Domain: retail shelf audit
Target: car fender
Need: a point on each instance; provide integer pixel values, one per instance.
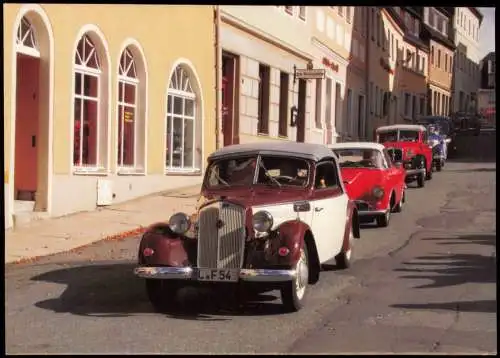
(352, 218)
(166, 247)
(292, 234)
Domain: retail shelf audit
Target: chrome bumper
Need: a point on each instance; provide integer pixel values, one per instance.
(367, 211)
(190, 273)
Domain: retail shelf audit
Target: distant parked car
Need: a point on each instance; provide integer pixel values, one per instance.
(407, 143)
(271, 215)
(372, 180)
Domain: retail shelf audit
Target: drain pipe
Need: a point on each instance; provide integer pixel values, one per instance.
(369, 93)
(218, 79)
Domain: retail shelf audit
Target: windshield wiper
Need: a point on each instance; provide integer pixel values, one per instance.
(269, 175)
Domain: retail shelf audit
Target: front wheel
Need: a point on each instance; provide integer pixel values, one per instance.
(293, 293)
(344, 259)
(421, 180)
(399, 206)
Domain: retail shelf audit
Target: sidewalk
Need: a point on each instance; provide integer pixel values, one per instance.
(51, 236)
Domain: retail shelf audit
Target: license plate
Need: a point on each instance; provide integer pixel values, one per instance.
(218, 275)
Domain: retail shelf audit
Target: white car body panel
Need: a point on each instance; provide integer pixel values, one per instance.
(284, 212)
(328, 225)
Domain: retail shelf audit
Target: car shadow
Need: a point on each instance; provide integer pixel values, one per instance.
(111, 290)
(453, 269)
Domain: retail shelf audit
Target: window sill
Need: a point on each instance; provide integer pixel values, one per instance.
(182, 172)
(90, 171)
(131, 171)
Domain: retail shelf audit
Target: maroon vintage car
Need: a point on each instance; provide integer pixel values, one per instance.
(408, 145)
(271, 215)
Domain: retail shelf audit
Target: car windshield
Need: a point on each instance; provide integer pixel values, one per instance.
(359, 158)
(277, 171)
(404, 136)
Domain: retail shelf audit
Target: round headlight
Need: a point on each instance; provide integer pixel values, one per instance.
(179, 223)
(378, 192)
(262, 221)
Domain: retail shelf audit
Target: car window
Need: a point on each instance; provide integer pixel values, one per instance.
(284, 170)
(389, 136)
(388, 158)
(360, 158)
(408, 135)
(326, 176)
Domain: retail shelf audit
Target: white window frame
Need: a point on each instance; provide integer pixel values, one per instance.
(123, 78)
(183, 94)
(85, 70)
(30, 48)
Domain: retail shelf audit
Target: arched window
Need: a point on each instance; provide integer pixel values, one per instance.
(127, 111)
(26, 40)
(87, 131)
(182, 153)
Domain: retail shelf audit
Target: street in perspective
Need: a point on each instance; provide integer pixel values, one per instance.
(426, 283)
(273, 180)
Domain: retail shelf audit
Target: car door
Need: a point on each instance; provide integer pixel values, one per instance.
(329, 204)
(394, 175)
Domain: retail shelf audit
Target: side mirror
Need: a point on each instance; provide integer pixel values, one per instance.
(301, 206)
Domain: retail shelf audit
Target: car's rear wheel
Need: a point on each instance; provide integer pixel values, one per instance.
(344, 259)
(161, 293)
(383, 220)
(428, 173)
(421, 180)
(293, 293)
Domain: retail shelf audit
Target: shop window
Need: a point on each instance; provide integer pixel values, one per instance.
(89, 120)
(131, 129)
(264, 92)
(183, 130)
(283, 108)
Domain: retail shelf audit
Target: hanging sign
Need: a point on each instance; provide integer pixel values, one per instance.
(308, 73)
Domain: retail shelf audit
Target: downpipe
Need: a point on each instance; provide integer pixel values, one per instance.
(218, 76)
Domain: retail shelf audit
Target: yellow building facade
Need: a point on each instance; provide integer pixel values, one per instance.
(104, 103)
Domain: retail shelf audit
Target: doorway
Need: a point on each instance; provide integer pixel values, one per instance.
(230, 122)
(301, 115)
(26, 129)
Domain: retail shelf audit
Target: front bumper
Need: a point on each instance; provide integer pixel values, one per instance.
(365, 209)
(191, 274)
(413, 172)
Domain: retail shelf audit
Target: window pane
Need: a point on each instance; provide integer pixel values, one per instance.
(90, 84)
(78, 83)
(177, 143)
(89, 133)
(120, 138)
(168, 163)
(188, 143)
(189, 107)
(129, 93)
(178, 105)
(169, 104)
(76, 128)
(128, 136)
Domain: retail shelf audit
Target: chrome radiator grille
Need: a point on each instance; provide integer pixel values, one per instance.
(221, 236)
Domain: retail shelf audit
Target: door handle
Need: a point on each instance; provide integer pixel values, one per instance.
(318, 209)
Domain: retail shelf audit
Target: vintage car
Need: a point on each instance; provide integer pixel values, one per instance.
(407, 143)
(271, 215)
(372, 180)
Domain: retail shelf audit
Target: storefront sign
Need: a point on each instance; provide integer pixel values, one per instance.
(308, 73)
(128, 117)
(386, 66)
(331, 65)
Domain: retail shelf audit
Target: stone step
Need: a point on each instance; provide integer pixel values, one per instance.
(24, 218)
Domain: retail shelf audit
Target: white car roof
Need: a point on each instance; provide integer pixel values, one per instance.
(357, 145)
(283, 148)
(411, 127)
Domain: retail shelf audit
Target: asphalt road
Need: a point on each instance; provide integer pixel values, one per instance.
(427, 283)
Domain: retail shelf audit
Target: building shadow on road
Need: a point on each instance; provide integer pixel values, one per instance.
(473, 170)
(452, 269)
(111, 290)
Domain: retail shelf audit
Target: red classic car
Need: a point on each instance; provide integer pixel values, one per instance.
(372, 180)
(271, 214)
(407, 143)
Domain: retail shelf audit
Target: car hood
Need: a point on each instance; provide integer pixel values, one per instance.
(359, 182)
